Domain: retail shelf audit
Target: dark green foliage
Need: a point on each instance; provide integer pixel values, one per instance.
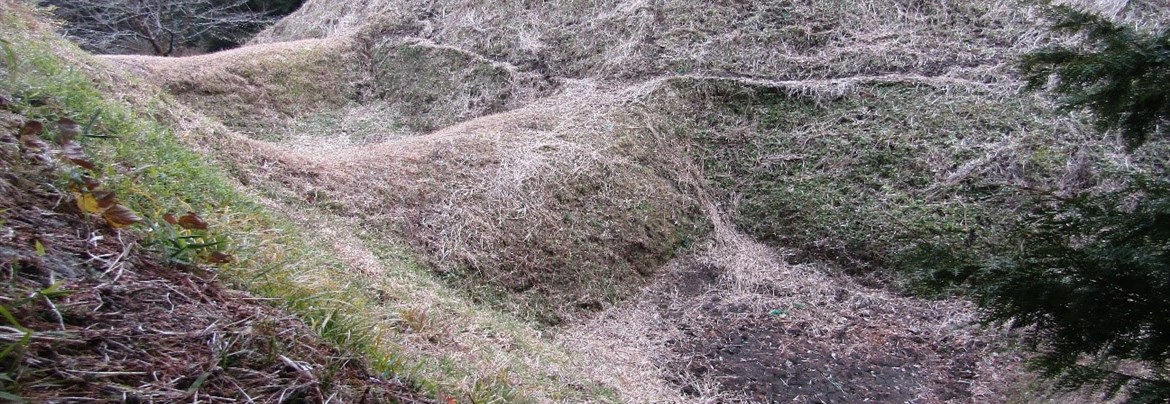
(1090, 277)
(1119, 73)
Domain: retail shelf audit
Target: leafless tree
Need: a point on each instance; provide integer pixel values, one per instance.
(160, 27)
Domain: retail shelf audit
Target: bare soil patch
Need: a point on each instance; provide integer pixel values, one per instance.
(772, 359)
(734, 322)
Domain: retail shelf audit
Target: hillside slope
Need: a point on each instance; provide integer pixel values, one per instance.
(632, 39)
(651, 201)
(110, 291)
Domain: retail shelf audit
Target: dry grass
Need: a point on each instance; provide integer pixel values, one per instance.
(630, 39)
(272, 260)
(508, 203)
(433, 86)
(256, 89)
(474, 201)
(786, 40)
(484, 193)
(644, 342)
(1151, 15)
(374, 84)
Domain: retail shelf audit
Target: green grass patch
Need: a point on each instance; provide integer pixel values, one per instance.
(869, 178)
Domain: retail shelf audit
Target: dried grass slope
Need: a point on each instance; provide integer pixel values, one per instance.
(556, 160)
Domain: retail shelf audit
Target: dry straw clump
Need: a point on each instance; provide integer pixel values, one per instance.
(432, 86)
(634, 39)
(254, 88)
(349, 85)
(545, 206)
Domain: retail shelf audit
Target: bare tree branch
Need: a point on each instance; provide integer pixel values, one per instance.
(155, 26)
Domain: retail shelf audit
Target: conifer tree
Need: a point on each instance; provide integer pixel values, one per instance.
(1118, 73)
(1089, 276)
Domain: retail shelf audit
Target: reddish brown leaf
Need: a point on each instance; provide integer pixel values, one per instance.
(69, 130)
(120, 216)
(91, 183)
(31, 128)
(191, 221)
(75, 154)
(169, 218)
(33, 144)
(105, 199)
(220, 258)
(29, 138)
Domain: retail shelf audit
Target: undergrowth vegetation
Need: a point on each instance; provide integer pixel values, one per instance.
(873, 177)
(433, 86)
(152, 173)
(758, 38)
(452, 190)
(1084, 272)
(401, 322)
(255, 91)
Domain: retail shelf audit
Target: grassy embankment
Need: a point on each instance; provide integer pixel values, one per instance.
(154, 170)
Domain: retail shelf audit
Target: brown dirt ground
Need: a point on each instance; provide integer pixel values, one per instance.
(129, 327)
(774, 359)
(736, 322)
